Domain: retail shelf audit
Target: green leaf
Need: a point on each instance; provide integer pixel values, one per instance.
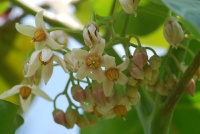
(9, 119)
(189, 11)
(157, 2)
(149, 17)
(4, 6)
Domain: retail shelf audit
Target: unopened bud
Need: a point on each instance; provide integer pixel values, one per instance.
(71, 117)
(98, 94)
(148, 72)
(132, 82)
(140, 57)
(96, 112)
(91, 34)
(136, 72)
(129, 6)
(78, 93)
(173, 32)
(191, 88)
(83, 121)
(155, 62)
(59, 117)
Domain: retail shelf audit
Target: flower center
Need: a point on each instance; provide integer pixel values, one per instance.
(25, 92)
(120, 110)
(39, 35)
(44, 62)
(93, 61)
(112, 74)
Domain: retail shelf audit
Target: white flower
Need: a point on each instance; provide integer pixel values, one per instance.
(44, 57)
(91, 62)
(40, 35)
(25, 93)
(113, 74)
(72, 64)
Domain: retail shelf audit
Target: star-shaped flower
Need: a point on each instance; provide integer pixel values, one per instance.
(91, 62)
(113, 74)
(25, 93)
(39, 34)
(44, 57)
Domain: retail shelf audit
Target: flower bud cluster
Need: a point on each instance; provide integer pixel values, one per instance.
(143, 70)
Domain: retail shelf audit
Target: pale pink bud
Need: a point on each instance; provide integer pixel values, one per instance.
(98, 94)
(91, 34)
(173, 32)
(136, 72)
(78, 93)
(129, 6)
(72, 64)
(140, 57)
(82, 121)
(71, 117)
(59, 117)
(89, 97)
(155, 62)
(191, 88)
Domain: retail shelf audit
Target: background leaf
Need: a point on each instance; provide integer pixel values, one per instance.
(9, 119)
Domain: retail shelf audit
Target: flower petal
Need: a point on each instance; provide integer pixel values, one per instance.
(109, 61)
(60, 61)
(123, 65)
(46, 54)
(47, 71)
(80, 54)
(37, 91)
(25, 102)
(25, 29)
(99, 48)
(40, 45)
(97, 75)
(52, 44)
(39, 22)
(33, 64)
(10, 92)
(107, 87)
(82, 72)
(122, 79)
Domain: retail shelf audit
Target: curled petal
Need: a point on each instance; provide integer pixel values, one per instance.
(109, 61)
(82, 72)
(107, 87)
(52, 44)
(25, 102)
(123, 65)
(10, 92)
(34, 64)
(39, 22)
(47, 71)
(46, 54)
(25, 29)
(37, 91)
(99, 48)
(97, 75)
(60, 62)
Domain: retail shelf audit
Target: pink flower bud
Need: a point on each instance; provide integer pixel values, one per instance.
(59, 117)
(71, 117)
(78, 93)
(140, 57)
(82, 121)
(191, 88)
(173, 32)
(89, 97)
(98, 94)
(136, 72)
(155, 62)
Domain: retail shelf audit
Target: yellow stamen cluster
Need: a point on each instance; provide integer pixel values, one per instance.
(25, 92)
(93, 61)
(112, 74)
(44, 62)
(39, 35)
